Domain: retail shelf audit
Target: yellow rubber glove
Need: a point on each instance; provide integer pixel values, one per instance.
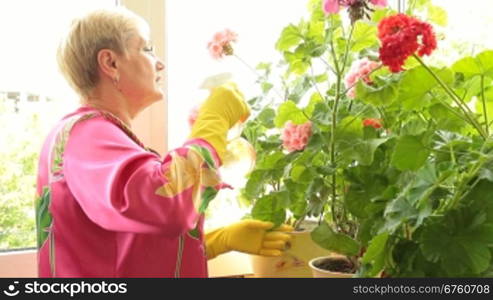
(248, 236)
(224, 107)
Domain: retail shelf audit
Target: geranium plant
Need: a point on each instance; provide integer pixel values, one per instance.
(391, 155)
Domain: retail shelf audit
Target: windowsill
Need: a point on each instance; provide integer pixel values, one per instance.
(23, 263)
(18, 263)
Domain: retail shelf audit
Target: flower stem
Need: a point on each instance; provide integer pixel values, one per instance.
(452, 110)
(255, 72)
(485, 112)
(314, 83)
(247, 65)
(344, 62)
(334, 127)
(454, 97)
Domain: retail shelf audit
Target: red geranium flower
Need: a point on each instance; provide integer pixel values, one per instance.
(375, 123)
(401, 36)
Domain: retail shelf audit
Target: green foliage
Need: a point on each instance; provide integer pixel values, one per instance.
(480, 65)
(410, 154)
(417, 83)
(340, 243)
(24, 127)
(288, 111)
(21, 141)
(414, 192)
(376, 253)
(364, 36)
(378, 96)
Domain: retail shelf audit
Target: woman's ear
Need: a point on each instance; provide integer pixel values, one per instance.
(107, 63)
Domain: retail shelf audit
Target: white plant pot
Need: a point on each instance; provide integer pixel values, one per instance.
(321, 273)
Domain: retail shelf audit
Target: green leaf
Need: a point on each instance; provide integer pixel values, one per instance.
(480, 198)
(314, 100)
(298, 66)
(296, 172)
(255, 184)
(316, 31)
(376, 248)
(359, 198)
(409, 154)
(266, 87)
(417, 82)
(267, 209)
(303, 174)
(397, 212)
(459, 253)
(283, 201)
(298, 208)
(269, 161)
(301, 86)
(417, 5)
(467, 66)
(376, 253)
(379, 96)
(414, 126)
(266, 117)
(289, 38)
(485, 62)
(488, 105)
(445, 119)
(288, 111)
(379, 14)
(482, 64)
(340, 243)
(348, 131)
(364, 36)
(321, 78)
(437, 15)
(363, 151)
(263, 66)
(321, 114)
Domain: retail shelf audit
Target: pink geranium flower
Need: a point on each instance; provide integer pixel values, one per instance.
(359, 70)
(333, 6)
(221, 43)
(379, 2)
(295, 137)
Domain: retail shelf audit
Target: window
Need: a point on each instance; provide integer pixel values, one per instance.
(191, 24)
(33, 96)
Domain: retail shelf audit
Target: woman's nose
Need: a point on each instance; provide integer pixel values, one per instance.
(159, 65)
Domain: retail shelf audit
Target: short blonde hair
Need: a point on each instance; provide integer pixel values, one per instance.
(100, 29)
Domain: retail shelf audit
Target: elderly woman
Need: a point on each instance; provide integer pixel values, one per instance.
(108, 206)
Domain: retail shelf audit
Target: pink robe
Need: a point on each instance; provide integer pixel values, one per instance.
(108, 207)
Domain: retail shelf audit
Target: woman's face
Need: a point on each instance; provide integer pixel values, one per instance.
(139, 70)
